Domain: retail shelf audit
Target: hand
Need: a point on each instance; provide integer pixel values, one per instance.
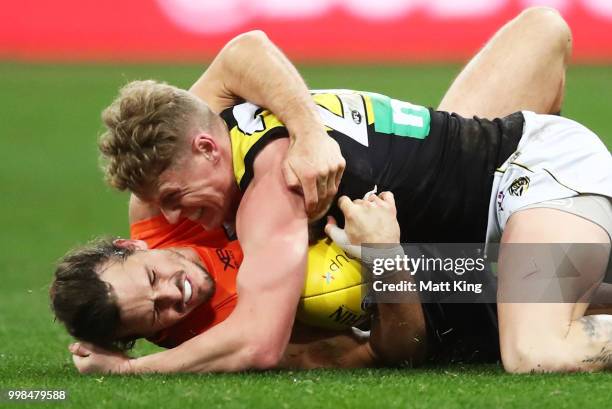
(89, 358)
(314, 166)
(371, 220)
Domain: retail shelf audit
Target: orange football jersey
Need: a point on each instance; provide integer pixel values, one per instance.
(220, 256)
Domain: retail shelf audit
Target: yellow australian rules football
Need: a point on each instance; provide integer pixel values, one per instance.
(334, 288)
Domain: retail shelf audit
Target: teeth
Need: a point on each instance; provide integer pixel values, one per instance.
(186, 292)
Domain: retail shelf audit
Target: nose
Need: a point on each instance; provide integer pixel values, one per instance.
(171, 215)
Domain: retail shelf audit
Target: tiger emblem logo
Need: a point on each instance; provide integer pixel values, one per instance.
(519, 186)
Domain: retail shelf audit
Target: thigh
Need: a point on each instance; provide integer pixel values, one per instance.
(511, 74)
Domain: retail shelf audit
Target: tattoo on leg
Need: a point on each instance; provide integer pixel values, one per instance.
(590, 326)
(604, 357)
(598, 328)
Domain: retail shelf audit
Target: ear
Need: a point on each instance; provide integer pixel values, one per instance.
(131, 244)
(206, 145)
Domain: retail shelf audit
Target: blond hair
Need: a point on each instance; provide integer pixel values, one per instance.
(145, 125)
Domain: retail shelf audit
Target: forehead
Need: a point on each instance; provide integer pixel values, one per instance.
(136, 262)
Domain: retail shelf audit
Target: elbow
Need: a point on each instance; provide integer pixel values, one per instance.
(525, 357)
(249, 40)
(262, 356)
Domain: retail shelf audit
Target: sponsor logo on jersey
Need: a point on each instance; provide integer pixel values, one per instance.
(356, 116)
(519, 186)
(226, 257)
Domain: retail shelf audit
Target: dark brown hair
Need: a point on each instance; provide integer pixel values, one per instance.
(86, 305)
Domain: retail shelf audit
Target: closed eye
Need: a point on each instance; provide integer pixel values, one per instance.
(171, 200)
(152, 279)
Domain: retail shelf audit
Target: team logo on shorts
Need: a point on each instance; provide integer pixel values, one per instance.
(519, 186)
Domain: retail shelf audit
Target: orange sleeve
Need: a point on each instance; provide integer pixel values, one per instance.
(158, 233)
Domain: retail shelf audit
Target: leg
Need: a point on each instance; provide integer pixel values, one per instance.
(521, 68)
(553, 336)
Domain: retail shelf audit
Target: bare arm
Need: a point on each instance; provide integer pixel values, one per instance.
(256, 334)
(252, 68)
(398, 333)
(312, 348)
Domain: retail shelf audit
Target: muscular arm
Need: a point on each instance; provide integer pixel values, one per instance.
(312, 348)
(252, 68)
(269, 282)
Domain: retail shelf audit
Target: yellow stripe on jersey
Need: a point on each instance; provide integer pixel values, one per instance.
(257, 127)
(331, 102)
(369, 109)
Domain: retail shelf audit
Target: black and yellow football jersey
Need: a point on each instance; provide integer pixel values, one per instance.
(439, 166)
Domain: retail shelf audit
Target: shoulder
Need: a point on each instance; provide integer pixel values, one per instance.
(252, 130)
(271, 156)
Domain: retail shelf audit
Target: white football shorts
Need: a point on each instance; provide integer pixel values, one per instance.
(557, 158)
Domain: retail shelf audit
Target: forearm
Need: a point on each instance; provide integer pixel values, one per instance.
(221, 349)
(398, 335)
(328, 349)
(252, 68)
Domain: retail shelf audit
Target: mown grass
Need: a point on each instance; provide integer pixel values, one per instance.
(52, 198)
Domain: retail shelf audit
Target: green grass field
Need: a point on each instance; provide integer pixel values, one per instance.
(52, 198)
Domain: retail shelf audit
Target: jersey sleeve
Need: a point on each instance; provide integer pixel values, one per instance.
(251, 128)
(158, 233)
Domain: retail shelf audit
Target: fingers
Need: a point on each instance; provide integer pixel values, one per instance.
(310, 191)
(339, 173)
(388, 197)
(290, 177)
(322, 188)
(79, 349)
(331, 221)
(332, 189)
(346, 206)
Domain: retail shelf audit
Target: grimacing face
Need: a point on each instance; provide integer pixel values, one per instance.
(199, 189)
(155, 289)
(200, 185)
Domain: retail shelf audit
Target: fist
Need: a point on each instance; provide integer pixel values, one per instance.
(89, 358)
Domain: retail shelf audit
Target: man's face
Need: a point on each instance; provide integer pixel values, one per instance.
(201, 186)
(155, 289)
(198, 190)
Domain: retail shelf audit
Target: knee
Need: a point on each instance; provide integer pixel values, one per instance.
(549, 26)
(519, 357)
(526, 355)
